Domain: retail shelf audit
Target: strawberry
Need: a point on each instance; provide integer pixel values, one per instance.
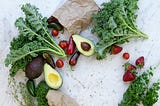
(129, 67)
(128, 76)
(140, 62)
(116, 49)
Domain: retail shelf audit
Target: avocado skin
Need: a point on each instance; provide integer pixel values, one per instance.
(31, 87)
(55, 26)
(48, 58)
(34, 68)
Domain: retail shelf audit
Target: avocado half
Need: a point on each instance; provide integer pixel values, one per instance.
(78, 39)
(52, 77)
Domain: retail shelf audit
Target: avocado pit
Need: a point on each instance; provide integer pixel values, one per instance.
(85, 46)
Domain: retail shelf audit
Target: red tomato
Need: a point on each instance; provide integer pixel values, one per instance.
(63, 44)
(126, 56)
(59, 63)
(55, 32)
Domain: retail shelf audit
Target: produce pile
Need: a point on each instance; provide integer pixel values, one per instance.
(33, 40)
(140, 89)
(34, 51)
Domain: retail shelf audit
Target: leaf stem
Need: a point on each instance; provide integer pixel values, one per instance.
(139, 33)
(44, 40)
(51, 50)
(59, 49)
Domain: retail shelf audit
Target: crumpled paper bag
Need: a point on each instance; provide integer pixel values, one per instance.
(75, 15)
(58, 98)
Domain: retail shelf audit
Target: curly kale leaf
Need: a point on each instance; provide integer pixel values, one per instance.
(20, 57)
(41, 92)
(151, 96)
(114, 24)
(33, 40)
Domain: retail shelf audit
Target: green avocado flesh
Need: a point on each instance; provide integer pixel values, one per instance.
(52, 77)
(78, 40)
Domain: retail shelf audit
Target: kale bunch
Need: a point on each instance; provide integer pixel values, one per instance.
(114, 24)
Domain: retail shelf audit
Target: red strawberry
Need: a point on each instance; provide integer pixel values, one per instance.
(128, 76)
(140, 62)
(129, 67)
(116, 49)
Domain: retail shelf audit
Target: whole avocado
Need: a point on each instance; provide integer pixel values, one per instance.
(34, 68)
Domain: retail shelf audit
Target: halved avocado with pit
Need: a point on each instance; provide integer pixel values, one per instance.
(52, 77)
(84, 45)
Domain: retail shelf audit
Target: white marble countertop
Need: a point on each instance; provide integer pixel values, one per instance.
(93, 83)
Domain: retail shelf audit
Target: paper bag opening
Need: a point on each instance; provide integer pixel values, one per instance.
(75, 15)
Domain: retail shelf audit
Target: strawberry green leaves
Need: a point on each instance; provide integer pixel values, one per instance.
(140, 62)
(115, 24)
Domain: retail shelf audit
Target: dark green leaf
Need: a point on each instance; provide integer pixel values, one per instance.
(33, 40)
(115, 23)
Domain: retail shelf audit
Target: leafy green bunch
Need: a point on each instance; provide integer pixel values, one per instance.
(140, 91)
(114, 24)
(41, 92)
(33, 40)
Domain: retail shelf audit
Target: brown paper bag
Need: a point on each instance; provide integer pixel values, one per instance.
(57, 98)
(75, 15)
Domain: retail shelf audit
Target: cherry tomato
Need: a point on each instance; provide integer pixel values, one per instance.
(59, 63)
(55, 32)
(63, 44)
(126, 56)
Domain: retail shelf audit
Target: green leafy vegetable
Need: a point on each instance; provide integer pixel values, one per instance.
(41, 92)
(33, 40)
(115, 24)
(152, 95)
(139, 91)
